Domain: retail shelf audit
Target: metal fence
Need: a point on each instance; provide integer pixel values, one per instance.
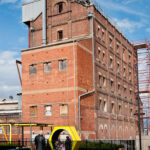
(84, 145)
(107, 145)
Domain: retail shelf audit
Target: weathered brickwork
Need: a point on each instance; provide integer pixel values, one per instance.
(52, 96)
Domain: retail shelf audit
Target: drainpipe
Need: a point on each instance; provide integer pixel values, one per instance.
(44, 22)
(85, 94)
(74, 55)
(90, 16)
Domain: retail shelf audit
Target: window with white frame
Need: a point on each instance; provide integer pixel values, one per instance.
(48, 110)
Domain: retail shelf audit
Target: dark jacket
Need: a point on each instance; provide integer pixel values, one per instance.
(68, 144)
(40, 142)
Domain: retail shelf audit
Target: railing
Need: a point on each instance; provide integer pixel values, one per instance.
(84, 145)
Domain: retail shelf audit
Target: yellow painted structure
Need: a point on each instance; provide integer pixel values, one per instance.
(76, 140)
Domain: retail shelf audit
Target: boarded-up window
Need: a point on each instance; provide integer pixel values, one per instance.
(62, 65)
(32, 69)
(48, 110)
(63, 109)
(33, 111)
(47, 67)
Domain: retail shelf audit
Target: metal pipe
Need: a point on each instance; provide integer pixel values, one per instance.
(90, 16)
(44, 22)
(90, 92)
(10, 132)
(74, 55)
(93, 48)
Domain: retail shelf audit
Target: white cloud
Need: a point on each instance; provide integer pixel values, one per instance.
(128, 25)
(117, 6)
(9, 81)
(8, 1)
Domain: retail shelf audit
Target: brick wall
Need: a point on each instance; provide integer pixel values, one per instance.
(112, 105)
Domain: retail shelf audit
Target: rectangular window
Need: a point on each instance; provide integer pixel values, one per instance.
(64, 109)
(48, 110)
(100, 103)
(112, 108)
(131, 111)
(60, 7)
(111, 84)
(129, 59)
(119, 109)
(124, 72)
(103, 35)
(104, 81)
(105, 106)
(32, 69)
(124, 54)
(118, 66)
(60, 34)
(62, 65)
(33, 111)
(117, 48)
(99, 78)
(103, 58)
(118, 86)
(125, 89)
(99, 52)
(110, 42)
(111, 62)
(98, 32)
(47, 67)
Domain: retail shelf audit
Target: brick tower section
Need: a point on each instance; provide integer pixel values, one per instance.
(55, 75)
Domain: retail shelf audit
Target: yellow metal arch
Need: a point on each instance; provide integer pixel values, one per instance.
(72, 131)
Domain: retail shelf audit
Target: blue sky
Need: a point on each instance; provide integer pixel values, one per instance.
(131, 16)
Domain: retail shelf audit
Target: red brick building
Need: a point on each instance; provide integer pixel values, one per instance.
(78, 70)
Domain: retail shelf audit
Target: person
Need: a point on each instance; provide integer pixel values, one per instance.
(68, 143)
(62, 146)
(40, 141)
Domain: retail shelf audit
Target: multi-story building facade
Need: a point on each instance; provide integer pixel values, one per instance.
(78, 70)
(10, 111)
